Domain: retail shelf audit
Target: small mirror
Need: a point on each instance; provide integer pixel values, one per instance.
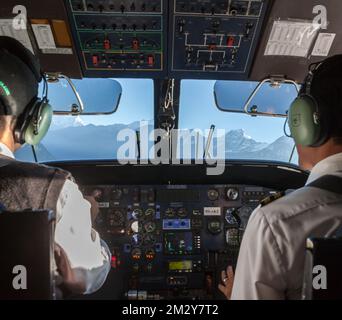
(267, 98)
(98, 96)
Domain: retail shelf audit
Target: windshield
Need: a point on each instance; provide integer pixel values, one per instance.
(237, 135)
(95, 137)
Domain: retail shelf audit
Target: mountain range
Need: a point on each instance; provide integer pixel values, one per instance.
(73, 140)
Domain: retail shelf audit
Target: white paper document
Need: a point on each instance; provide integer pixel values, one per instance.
(6, 29)
(44, 36)
(323, 44)
(291, 38)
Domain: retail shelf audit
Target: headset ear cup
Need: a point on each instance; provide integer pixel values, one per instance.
(304, 129)
(24, 120)
(30, 134)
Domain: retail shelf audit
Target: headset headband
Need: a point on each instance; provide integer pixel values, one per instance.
(15, 48)
(310, 77)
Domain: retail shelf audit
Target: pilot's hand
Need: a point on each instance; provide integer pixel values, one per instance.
(227, 278)
(70, 279)
(94, 207)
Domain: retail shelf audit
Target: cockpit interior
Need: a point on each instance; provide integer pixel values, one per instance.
(172, 115)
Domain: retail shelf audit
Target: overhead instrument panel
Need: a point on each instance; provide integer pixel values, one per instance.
(215, 39)
(120, 38)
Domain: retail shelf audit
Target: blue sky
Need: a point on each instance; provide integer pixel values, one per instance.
(197, 109)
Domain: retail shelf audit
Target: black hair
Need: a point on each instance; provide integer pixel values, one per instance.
(20, 75)
(327, 90)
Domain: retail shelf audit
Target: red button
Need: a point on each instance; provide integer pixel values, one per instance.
(230, 41)
(135, 44)
(150, 60)
(106, 44)
(114, 262)
(95, 60)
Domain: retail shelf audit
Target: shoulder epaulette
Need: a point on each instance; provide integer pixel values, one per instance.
(272, 198)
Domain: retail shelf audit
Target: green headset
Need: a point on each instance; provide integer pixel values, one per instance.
(305, 117)
(34, 123)
(35, 120)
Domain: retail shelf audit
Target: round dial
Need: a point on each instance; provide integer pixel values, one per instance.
(136, 239)
(150, 254)
(214, 226)
(117, 194)
(213, 194)
(150, 227)
(232, 194)
(244, 214)
(97, 194)
(136, 213)
(136, 254)
(232, 237)
(170, 212)
(149, 239)
(135, 226)
(116, 218)
(182, 212)
(230, 217)
(150, 212)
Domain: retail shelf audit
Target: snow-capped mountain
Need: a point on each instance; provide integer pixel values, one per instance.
(239, 141)
(73, 140)
(279, 150)
(59, 123)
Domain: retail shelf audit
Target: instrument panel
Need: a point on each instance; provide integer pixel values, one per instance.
(160, 38)
(172, 241)
(214, 37)
(115, 37)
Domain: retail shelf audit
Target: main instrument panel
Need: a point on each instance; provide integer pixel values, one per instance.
(172, 241)
(160, 38)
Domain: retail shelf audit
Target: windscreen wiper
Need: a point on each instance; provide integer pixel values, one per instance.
(209, 141)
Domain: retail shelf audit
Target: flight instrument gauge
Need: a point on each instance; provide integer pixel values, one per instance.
(170, 212)
(213, 194)
(136, 214)
(150, 212)
(136, 254)
(244, 214)
(149, 239)
(117, 194)
(182, 212)
(136, 239)
(150, 254)
(230, 218)
(135, 227)
(150, 227)
(232, 194)
(116, 218)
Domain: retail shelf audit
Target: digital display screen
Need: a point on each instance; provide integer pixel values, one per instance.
(178, 195)
(176, 224)
(180, 265)
(178, 242)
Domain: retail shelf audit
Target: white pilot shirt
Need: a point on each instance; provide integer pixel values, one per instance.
(89, 259)
(271, 259)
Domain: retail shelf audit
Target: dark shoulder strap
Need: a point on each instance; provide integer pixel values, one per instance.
(328, 183)
(5, 161)
(56, 185)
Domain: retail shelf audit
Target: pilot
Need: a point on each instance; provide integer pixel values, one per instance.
(271, 260)
(82, 258)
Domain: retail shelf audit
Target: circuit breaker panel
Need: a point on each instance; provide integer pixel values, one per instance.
(205, 39)
(214, 39)
(120, 38)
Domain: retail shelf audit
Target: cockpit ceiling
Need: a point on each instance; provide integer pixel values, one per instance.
(255, 65)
